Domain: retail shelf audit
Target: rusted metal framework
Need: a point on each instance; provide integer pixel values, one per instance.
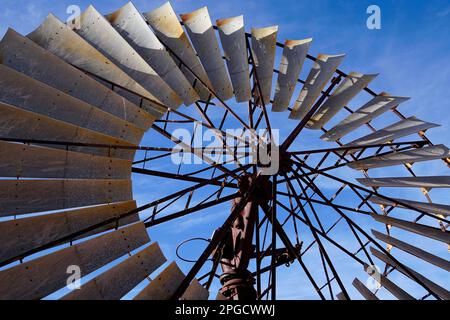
(134, 72)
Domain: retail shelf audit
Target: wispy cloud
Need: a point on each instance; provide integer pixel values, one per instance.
(444, 12)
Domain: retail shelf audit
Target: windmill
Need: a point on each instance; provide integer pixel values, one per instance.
(75, 103)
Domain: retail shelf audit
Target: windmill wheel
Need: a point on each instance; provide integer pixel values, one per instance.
(76, 101)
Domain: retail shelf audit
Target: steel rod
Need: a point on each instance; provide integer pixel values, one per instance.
(218, 238)
(290, 247)
(373, 241)
(319, 242)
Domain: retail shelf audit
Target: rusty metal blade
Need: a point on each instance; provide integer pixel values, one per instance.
(203, 37)
(29, 94)
(96, 30)
(411, 156)
(363, 290)
(396, 291)
(263, 50)
(422, 254)
(232, 36)
(294, 55)
(436, 208)
(132, 26)
(21, 235)
(117, 281)
(16, 123)
(23, 55)
(353, 84)
(164, 285)
(371, 110)
(443, 293)
(423, 230)
(320, 74)
(62, 41)
(407, 182)
(167, 27)
(39, 277)
(393, 132)
(29, 196)
(195, 291)
(25, 161)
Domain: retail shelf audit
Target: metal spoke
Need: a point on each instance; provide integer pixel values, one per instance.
(362, 147)
(303, 122)
(115, 220)
(291, 249)
(316, 237)
(379, 246)
(216, 241)
(180, 177)
(313, 171)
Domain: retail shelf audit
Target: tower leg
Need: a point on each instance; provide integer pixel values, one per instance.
(237, 281)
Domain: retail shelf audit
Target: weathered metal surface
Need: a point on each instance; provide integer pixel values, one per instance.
(294, 55)
(238, 244)
(134, 29)
(415, 251)
(96, 30)
(321, 72)
(221, 297)
(117, 281)
(28, 196)
(59, 39)
(203, 37)
(29, 94)
(341, 296)
(439, 209)
(25, 161)
(167, 27)
(263, 50)
(353, 84)
(40, 277)
(397, 130)
(397, 158)
(408, 182)
(420, 229)
(234, 44)
(374, 108)
(20, 124)
(164, 285)
(21, 235)
(394, 289)
(195, 292)
(25, 56)
(440, 291)
(363, 290)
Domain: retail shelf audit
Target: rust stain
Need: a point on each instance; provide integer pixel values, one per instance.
(113, 16)
(192, 15)
(260, 33)
(165, 21)
(293, 43)
(325, 57)
(222, 22)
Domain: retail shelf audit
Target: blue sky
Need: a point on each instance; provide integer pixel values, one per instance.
(410, 52)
